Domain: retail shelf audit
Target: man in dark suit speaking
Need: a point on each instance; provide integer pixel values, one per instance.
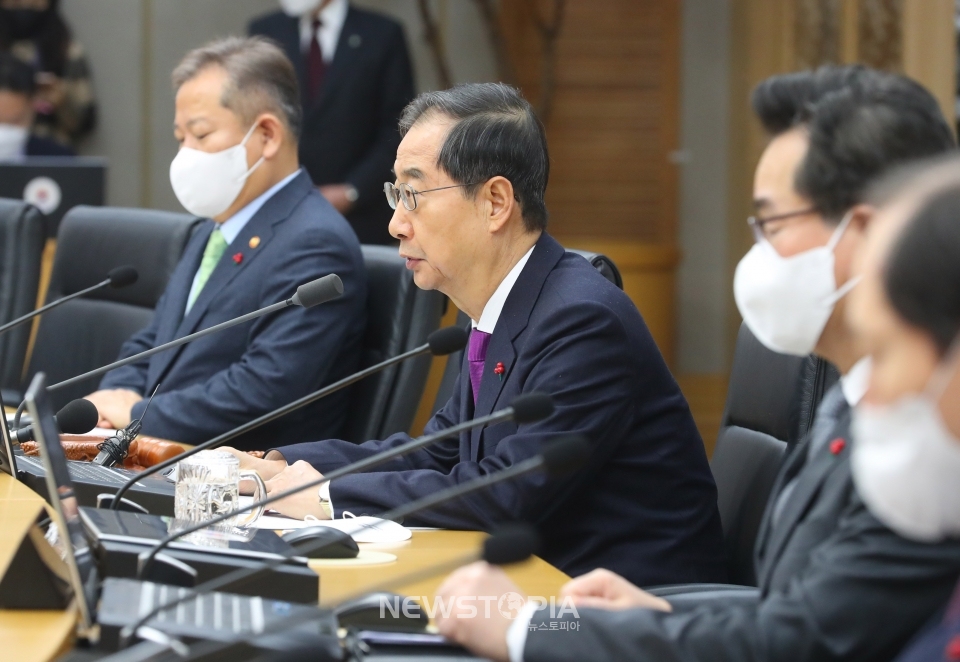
(237, 118)
(355, 78)
(471, 174)
(835, 583)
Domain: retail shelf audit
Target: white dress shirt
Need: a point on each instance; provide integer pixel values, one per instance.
(853, 385)
(231, 227)
(332, 18)
(491, 311)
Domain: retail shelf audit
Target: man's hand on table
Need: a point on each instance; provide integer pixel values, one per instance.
(607, 590)
(114, 406)
(486, 637)
(266, 468)
(304, 503)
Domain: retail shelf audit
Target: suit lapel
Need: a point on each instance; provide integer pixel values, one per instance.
(349, 46)
(513, 320)
(792, 465)
(811, 478)
(237, 257)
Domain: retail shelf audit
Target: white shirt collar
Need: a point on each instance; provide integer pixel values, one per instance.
(854, 384)
(332, 18)
(491, 311)
(231, 227)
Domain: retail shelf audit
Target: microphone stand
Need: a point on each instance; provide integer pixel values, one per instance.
(242, 575)
(146, 558)
(267, 418)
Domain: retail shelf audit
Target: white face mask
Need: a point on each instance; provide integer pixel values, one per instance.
(207, 183)
(298, 8)
(786, 301)
(13, 139)
(906, 464)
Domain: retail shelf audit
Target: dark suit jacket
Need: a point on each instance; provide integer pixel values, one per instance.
(940, 640)
(644, 504)
(835, 584)
(37, 146)
(350, 133)
(226, 379)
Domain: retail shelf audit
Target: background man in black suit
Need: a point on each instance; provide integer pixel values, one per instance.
(355, 79)
(835, 583)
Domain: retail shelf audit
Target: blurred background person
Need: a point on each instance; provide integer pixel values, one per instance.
(906, 459)
(17, 93)
(35, 32)
(355, 79)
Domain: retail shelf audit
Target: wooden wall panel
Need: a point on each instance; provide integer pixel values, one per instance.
(615, 114)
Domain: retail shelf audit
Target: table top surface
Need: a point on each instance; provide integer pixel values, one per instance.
(43, 635)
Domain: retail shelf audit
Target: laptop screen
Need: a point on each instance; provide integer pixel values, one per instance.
(7, 462)
(75, 548)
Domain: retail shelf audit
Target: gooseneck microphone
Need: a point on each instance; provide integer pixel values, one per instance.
(77, 417)
(440, 343)
(308, 295)
(526, 408)
(557, 458)
(116, 278)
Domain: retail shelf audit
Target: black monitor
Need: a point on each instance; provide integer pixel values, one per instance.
(55, 184)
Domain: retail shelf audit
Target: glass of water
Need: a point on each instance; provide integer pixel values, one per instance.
(208, 484)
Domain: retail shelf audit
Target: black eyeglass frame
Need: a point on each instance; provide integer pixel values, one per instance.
(757, 224)
(395, 193)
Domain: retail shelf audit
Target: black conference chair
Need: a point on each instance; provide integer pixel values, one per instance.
(21, 250)
(771, 404)
(87, 333)
(601, 262)
(400, 316)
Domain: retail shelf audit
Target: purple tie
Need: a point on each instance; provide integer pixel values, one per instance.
(477, 354)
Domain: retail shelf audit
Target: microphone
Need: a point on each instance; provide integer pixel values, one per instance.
(526, 408)
(116, 278)
(113, 451)
(308, 295)
(558, 458)
(77, 417)
(440, 343)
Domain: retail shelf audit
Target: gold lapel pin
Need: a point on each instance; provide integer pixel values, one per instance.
(254, 242)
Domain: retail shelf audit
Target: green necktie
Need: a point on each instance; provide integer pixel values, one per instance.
(216, 245)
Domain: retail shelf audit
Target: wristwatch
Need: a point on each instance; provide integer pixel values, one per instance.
(325, 502)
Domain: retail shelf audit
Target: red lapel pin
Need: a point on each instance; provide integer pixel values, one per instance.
(952, 651)
(837, 445)
(238, 257)
(499, 370)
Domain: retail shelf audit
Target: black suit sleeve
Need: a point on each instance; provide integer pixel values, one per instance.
(396, 84)
(865, 592)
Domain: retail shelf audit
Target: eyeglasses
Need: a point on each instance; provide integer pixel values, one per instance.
(408, 195)
(758, 225)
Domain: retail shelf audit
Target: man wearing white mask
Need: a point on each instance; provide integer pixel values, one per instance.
(355, 80)
(834, 583)
(906, 459)
(237, 120)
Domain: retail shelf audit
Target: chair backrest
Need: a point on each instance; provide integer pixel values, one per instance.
(771, 403)
(601, 263)
(88, 332)
(400, 316)
(21, 251)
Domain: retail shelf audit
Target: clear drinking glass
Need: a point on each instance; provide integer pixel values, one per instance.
(208, 484)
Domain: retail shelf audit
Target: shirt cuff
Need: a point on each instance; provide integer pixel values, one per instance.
(517, 634)
(324, 494)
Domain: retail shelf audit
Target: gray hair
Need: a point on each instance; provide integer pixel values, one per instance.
(260, 78)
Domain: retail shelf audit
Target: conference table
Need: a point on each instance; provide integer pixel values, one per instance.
(28, 636)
